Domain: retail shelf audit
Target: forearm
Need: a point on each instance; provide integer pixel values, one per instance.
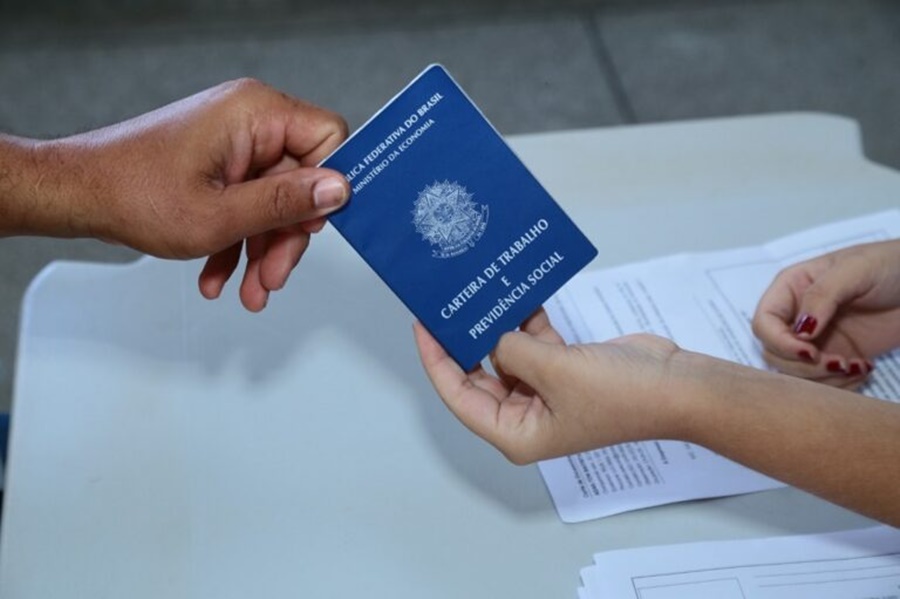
(44, 189)
(839, 445)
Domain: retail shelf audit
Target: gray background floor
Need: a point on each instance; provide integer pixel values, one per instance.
(531, 65)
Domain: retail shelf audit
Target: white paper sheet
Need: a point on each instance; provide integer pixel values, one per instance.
(705, 303)
(857, 564)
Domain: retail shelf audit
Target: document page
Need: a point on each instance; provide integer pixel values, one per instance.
(857, 564)
(705, 303)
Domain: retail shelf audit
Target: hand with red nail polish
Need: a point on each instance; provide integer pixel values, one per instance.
(826, 319)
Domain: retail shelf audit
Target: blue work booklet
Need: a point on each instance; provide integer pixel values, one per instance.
(451, 220)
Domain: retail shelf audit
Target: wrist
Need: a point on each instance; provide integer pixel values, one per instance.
(18, 174)
(44, 189)
(696, 387)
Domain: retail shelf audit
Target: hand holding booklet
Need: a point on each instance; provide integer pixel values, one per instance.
(451, 220)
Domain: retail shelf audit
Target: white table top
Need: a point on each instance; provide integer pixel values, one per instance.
(165, 446)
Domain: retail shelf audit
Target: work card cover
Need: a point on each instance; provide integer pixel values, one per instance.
(451, 220)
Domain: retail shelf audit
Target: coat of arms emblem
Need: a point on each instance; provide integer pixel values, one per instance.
(446, 217)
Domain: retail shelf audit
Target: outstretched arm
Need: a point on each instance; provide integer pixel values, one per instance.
(232, 166)
(551, 400)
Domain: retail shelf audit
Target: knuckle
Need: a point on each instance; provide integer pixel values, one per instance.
(339, 125)
(756, 326)
(818, 298)
(329, 124)
(521, 456)
(516, 456)
(242, 91)
(502, 351)
(281, 200)
(244, 85)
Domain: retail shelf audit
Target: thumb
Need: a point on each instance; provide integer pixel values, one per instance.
(528, 359)
(821, 300)
(284, 199)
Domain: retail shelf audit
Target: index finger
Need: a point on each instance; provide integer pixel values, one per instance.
(467, 395)
(312, 132)
(539, 325)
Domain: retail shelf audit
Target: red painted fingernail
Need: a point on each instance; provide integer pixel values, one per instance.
(805, 355)
(806, 324)
(855, 369)
(869, 366)
(834, 366)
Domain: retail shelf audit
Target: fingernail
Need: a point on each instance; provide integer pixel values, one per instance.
(805, 355)
(869, 366)
(834, 366)
(329, 193)
(805, 324)
(855, 369)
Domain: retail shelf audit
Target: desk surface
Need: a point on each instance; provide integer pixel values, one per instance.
(164, 446)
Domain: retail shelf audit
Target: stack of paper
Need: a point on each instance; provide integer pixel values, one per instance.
(705, 303)
(859, 564)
